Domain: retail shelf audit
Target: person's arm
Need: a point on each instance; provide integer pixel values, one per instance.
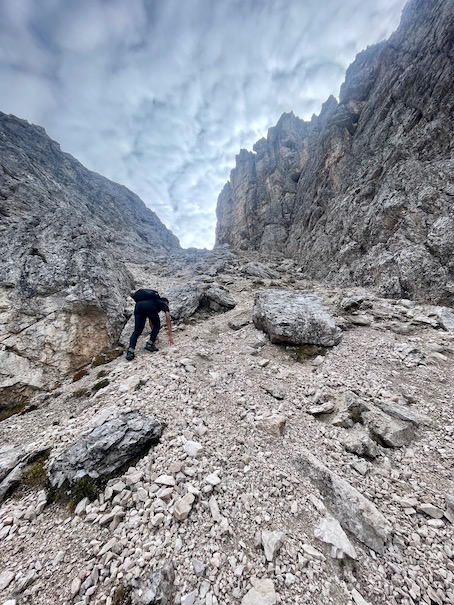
(169, 328)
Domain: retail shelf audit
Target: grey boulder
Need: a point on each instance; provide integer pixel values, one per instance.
(295, 317)
(186, 300)
(106, 449)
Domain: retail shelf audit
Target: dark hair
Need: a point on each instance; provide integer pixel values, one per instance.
(166, 300)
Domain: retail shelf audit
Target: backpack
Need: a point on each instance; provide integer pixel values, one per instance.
(141, 295)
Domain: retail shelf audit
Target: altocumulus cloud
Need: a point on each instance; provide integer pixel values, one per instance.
(160, 95)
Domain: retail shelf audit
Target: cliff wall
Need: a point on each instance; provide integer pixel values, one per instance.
(363, 193)
(65, 236)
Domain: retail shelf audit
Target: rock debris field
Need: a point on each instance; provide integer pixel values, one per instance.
(281, 475)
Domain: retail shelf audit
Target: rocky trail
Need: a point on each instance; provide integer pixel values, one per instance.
(278, 478)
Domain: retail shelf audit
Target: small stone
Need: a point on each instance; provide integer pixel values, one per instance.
(214, 510)
(193, 449)
(108, 546)
(358, 598)
(330, 531)
(324, 408)
(75, 586)
(118, 487)
(262, 593)
(430, 510)
(313, 552)
(183, 507)
(158, 519)
(212, 479)
(274, 425)
(6, 577)
(166, 479)
(189, 599)
(272, 542)
(199, 567)
(82, 505)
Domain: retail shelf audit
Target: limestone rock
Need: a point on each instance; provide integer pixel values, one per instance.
(65, 234)
(158, 589)
(257, 269)
(272, 542)
(274, 425)
(183, 507)
(262, 593)
(186, 300)
(355, 513)
(388, 431)
(351, 196)
(295, 317)
(359, 443)
(330, 531)
(106, 448)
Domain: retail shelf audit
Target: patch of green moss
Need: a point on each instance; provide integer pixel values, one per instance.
(100, 385)
(85, 488)
(101, 374)
(122, 596)
(36, 475)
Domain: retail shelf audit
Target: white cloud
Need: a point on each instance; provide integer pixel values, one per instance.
(161, 96)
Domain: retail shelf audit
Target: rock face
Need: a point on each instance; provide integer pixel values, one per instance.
(65, 234)
(363, 192)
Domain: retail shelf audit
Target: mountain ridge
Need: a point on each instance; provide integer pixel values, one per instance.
(362, 194)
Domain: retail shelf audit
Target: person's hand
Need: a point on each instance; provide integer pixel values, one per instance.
(171, 341)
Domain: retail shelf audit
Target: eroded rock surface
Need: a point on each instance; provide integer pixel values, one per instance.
(65, 234)
(363, 192)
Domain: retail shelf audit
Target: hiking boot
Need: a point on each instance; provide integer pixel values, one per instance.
(150, 346)
(130, 355)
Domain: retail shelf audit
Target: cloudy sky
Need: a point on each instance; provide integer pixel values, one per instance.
(160, 95)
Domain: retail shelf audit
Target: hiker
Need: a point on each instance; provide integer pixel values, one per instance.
(149, 309)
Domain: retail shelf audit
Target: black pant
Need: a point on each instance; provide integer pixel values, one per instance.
(144, 310)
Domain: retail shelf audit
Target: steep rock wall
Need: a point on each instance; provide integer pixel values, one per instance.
(65, 234)
(373, 201)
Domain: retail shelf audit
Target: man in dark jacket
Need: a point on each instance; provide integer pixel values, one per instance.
(149, 309)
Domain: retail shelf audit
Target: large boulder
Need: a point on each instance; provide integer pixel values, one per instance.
(106, 449)
(186, 300)
(295, 317)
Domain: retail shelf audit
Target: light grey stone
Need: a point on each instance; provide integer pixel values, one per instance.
(194, 449)
(295, 317)
(272, 542)
(183, 507)
(354, 512)
(106, 448)
(274, 425)
(262, 593)
(6, 577)
(330, 531)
